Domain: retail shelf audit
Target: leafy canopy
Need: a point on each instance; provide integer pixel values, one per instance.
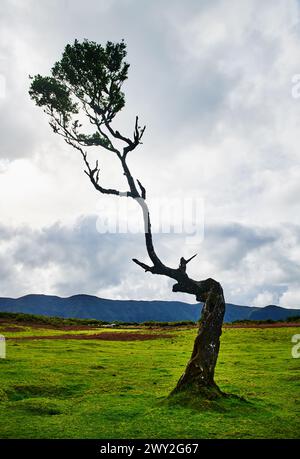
(87, 80)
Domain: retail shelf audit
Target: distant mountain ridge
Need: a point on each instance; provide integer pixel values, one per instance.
(92, 307)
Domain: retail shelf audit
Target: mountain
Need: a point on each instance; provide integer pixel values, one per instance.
(273, 311)
(92, 307)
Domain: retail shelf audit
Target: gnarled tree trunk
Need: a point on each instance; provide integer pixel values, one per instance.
(199, 373)
(198, 376)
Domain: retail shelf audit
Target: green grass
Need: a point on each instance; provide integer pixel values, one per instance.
(111, 389)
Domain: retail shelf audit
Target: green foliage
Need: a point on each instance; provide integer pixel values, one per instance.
(266, 321)
(95, 74)
(47, 320)
(59, 321)
(293, 319)
(86, 81)
(52, 94)
(180, 323)
(256, 322)
(111, 389)
(93, 140)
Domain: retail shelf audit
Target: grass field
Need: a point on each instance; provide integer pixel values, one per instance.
(63, 388)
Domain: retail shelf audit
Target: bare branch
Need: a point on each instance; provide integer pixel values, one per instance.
(143, 265)
(131, 144)
(189, 259)
(116, 134)
(184, 262)
(138, 131)
(129, 178)
(95, 120)
(93, 174)
(143, 190)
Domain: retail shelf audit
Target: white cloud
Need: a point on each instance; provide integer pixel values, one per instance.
(291, 298)
(264, 298)
(213, 84)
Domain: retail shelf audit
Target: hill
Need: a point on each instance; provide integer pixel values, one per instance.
(92, 307)
(274, 312)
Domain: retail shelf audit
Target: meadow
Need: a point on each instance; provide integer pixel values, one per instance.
(110, 388)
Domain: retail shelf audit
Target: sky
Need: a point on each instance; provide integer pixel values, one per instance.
(217, 85)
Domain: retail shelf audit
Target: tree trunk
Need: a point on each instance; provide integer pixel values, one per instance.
(198, 377)
(199, 373)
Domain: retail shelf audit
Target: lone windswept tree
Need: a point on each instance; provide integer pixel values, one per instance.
(86, 84)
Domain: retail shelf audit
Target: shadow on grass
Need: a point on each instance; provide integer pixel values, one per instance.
(25, 391)
(40, 406)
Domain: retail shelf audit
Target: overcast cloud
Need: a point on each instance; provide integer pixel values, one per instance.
(212, 80)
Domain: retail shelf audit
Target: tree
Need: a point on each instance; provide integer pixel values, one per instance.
(86, 84)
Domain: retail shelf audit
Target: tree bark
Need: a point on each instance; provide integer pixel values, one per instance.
(198, 376)
(199, 373)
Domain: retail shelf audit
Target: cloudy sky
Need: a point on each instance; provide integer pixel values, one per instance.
(217, 84)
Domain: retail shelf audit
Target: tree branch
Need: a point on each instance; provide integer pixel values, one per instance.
(143, 190)
(93, 174)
